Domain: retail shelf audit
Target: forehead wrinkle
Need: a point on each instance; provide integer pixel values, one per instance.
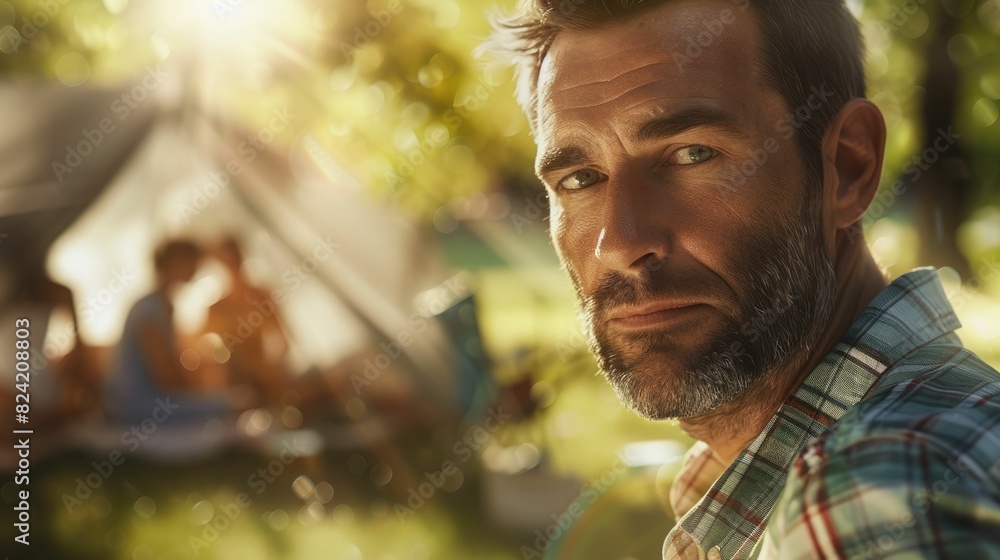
(557, 51)
(628, 119)
(565, 62)
(606, 101)
(635, 80)
(589, 67)
(575, 76)
(617, 49)
(659, 106)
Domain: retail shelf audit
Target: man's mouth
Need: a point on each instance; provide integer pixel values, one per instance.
(657, 314)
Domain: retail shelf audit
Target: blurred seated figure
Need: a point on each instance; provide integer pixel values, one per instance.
(64, 381)
(249, 324)
(148, 367)
(78, 377)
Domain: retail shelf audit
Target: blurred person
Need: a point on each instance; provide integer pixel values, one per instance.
(708, 164)
(249, 324)
(148, 372)
(64, 379)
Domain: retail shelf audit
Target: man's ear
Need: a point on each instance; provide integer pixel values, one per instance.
(853, 151)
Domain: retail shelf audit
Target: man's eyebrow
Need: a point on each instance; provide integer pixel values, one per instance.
(656, 128)
(680, 121)
(561, 158)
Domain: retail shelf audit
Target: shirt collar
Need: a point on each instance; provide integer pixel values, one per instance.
(730, 517)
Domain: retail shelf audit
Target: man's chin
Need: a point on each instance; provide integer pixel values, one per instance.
(663, 394)
(658, 410)
(650, 399)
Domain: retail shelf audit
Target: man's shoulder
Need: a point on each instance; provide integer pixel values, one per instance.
(914, 469)
(941, 408)
(148, 307)
(928, 391)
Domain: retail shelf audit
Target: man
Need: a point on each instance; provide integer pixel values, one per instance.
(148, 369)
(708, 163)
(257, 352)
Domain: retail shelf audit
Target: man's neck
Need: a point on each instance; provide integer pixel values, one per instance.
(167, 288)
(730, 428)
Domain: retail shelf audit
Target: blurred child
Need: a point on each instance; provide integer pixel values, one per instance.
(149, 368)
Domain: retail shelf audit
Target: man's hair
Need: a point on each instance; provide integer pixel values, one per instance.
(169, 251)
(806, 46)
(231, 245)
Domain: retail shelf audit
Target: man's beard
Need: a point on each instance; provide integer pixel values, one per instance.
(786, 290)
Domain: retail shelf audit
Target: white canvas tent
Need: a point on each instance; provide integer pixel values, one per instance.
(162, 171)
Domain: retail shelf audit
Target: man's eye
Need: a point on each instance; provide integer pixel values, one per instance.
(581, 179)
(690, 155)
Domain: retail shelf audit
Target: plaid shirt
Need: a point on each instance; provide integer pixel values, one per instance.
(889, 448)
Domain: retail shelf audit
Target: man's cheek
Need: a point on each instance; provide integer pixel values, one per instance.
(557, 228)
(571, 247)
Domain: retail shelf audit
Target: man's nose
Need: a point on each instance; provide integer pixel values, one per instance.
(634, 231)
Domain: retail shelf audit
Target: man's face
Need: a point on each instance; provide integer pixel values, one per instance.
(182, 268)
(679, 206)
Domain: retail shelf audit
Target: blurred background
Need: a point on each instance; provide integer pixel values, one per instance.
(377, 306)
